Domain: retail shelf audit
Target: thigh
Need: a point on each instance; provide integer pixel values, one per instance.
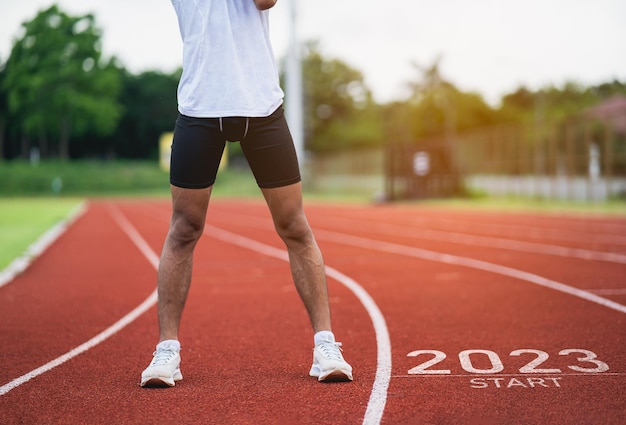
(285, 205)
(269, 150)
(189, 208)
(196, 152)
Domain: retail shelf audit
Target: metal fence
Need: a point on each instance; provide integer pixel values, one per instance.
(577, 159)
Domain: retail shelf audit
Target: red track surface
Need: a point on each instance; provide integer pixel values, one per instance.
(469, 341)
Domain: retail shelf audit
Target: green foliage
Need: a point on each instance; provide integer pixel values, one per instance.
(553, 103)
(64, 98)
(150, 101)
(437, 107)
(609, 89)
(4, 110)
(57, 82)
(340, 112)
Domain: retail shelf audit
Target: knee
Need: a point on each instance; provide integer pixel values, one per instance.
(185, 230)
(295, 229)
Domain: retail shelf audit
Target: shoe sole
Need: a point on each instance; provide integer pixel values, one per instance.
(337, 375)
(161, 381)
(158, 382)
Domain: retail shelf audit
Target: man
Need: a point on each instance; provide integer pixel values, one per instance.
(229, 91)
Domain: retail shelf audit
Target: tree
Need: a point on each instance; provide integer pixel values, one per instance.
(552, 103)
(150, 100)
(340, 112)
(438, 108)
(4, 111)
(606, 90)
(58, 84)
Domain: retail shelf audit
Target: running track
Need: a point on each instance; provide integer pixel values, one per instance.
(447, 316)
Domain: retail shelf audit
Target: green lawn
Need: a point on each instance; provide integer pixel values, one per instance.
(24, 220)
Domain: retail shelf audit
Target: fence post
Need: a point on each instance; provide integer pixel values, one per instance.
(608, 150)
(552, 162)
(570, 159)
(587, 158)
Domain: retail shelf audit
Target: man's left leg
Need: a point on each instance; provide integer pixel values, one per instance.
(307, 268)
(305, 257)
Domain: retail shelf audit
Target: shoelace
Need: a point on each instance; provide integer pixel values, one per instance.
(162, 357)
(331, 350)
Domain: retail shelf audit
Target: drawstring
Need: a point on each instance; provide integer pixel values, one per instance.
(245, 132)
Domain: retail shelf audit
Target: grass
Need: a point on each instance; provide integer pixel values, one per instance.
(24, 220)
(35, 198)
(106, 179)
(82, 178)
(518, 204)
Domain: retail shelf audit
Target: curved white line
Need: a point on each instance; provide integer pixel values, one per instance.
(482, 265)
(466, 262)
(378, 396)
(111, 330)
(491, 242)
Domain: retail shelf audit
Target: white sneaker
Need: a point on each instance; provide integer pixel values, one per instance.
(164, 369)
(328, 363)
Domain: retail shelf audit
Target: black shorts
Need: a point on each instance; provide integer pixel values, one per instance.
(266, 142)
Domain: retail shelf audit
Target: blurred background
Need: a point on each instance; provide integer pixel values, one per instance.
(400, 100)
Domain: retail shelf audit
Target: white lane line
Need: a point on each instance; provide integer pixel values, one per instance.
(538, 248)
(110, 331)
(615, 236)
(522, 375)
(621, 291)
(378, 396)
(465, 239)
(492, 242)
(21, 263)
(456, 260)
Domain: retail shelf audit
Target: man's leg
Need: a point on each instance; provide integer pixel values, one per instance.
(189, 208)
(307, 268)
(272, 157)
(305, 258)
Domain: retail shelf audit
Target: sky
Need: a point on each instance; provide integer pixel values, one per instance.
(491, 47)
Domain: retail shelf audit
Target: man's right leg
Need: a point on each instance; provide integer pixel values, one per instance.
(189, 208)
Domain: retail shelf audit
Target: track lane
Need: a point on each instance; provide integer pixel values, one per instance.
(266, 301)
(427, 307)
(241, 379)
(497, 314)
(457, 237)
(564, 230)
(70, 294)
(580, 275)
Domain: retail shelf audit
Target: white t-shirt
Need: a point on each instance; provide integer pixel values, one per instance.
(229, 67)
